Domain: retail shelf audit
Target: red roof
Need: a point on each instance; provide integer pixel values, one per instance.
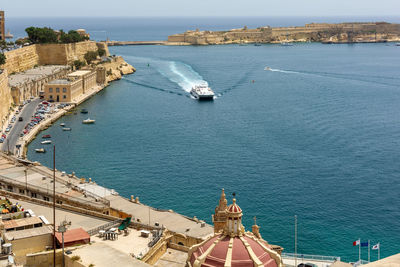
(234, 208)
(73, 235)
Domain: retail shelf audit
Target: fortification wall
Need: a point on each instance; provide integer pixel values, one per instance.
(64, 54)
(21, 59)
(5, 97)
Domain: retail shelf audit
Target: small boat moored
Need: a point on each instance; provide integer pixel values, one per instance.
(46, 136)
(46, 142)
(67, 129)
(40, 150)
(88, 121)
(62, 124)
(84, 111)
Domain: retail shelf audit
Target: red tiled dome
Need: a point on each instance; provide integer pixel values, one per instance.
(234, 208)
(246, 251)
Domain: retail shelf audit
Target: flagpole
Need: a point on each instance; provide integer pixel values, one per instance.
(359, 249)
(368, 252)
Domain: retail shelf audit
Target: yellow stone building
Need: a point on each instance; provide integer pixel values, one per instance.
(88, 77)
(63, 90)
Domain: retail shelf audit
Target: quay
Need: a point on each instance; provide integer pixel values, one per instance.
(122, 43)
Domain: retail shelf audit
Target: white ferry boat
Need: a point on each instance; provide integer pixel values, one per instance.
(202, 92)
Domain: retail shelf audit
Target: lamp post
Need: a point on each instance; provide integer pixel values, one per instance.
(26, 181)
(62, 228)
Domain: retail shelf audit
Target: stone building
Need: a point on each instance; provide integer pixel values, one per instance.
(2, 26)
(63, 90)
(231, 245)
(88, 77)
(26, 235)
(31, 83)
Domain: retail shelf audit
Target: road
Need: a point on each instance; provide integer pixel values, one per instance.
(16, 130)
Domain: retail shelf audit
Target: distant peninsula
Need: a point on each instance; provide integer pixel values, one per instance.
(352, 32)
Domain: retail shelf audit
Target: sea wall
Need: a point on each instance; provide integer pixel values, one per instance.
(5, 96)
(314, 32)
(116, 68)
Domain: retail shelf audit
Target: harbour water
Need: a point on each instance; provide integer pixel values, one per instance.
(318, 136)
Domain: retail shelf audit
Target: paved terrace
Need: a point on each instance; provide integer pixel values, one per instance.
(77, 220)
(99, 196)
(34, 74)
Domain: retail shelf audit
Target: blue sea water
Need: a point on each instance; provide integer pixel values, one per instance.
(317, 136)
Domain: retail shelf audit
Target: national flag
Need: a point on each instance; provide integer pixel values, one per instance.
(376, 246)
(356, 243)
(365, 244)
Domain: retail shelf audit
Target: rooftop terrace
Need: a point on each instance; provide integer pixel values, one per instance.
(34, 74)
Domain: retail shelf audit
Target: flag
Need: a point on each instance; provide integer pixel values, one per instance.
(365, 244)
(356, 243)
(376, 246)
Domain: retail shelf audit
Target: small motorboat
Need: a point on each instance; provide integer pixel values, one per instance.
(46, 136)
(88, 121)
(267, 68)
(84, 111)
(62, 124)
(397, 44)
(46, 142)
(67, 129)
(40, 150)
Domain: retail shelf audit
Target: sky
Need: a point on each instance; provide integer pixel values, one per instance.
(184, 8)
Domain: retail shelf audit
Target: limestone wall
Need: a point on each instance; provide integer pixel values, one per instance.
(21, 59)
(21, 247)
(64, 54)
(5, 97)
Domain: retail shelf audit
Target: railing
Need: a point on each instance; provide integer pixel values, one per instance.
(156, 237)
(311, 257)
(112, 224)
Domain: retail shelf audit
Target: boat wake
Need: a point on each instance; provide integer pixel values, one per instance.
(381, 80)
(177, 72)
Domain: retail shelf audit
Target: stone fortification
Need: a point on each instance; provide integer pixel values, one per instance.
(314, 32)
(48, 54)
(21, 59)
(5, 97)
(116, 68)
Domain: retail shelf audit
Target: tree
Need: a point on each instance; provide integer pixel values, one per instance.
(78, 64)
(2, 59)
(90, 56)
(101, 52)
(41, 35)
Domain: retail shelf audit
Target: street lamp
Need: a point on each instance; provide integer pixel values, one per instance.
(62, 228)
(26, 181)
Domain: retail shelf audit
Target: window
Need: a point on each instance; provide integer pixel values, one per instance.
(51, 96)
(64, 90)
(33, 195)
(57, 90)
(22, 191)
(64, 96)
(50, 90)
(46, 198)
(9, 188)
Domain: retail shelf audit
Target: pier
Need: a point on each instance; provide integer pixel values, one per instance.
(122, 43)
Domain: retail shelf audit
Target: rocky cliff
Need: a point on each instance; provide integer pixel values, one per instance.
(116, 68)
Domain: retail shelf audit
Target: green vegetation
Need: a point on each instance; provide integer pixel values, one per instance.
(71, 37)
(75, 258)
(79, 64)
(101, 52)
(2, 59)
(49, 36)
(90, 56)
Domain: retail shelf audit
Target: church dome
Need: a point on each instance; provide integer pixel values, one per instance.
(233, 246)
